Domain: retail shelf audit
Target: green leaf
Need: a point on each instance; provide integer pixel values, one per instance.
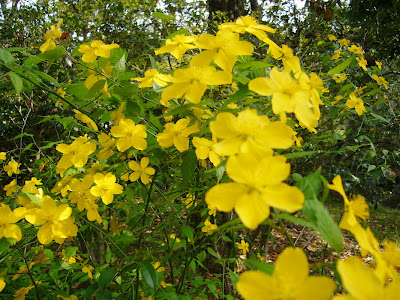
(162, 16)
(188, 166)
(299, 154)
(119, 67)
(311, 185)
(45, 76)
(16, 81)
(179, 31)
(149, 274)
(188, 232)
(294, 219)
(4, 245)
(379, 118)
(33, 198)
(325, 225)
(91, 290)
(70, 251)
(341, 67)
(54, 54)
(48, 253)
(262, 266)
(212, 252)
(239, 95)
(6, 56)
(105, 278)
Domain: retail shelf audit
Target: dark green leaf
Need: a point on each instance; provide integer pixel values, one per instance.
(187, 231)
(91, 290)
(16, 81)
(6, 56)
(119, 67)
(188, 166)
(262, 266)
(105, 278)
(149, 274)
(54, 54)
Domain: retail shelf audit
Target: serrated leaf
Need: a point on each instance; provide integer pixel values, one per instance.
(188, 166)
(262, 266)
(379, 118)
(6, 56)
(188, 232)
(45, 76)
(16, 81)
(341, 67)
(70, 251)
(179, 31)
(119, 67)
(212, 252)
(311, 185)
(48, 253)
(325, 225)
(239, 95)
(105, 278)
(54, 54)
(33, 198)
(91, 290)
(161, 16)
(149, 274)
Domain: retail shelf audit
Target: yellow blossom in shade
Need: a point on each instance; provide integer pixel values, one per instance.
(190, 200)
(223, 49)
(355, 49)
(3, 156)
(80, 191)
(255, 188)
(62, 186)
(331, 37)
(117, 116)
(61, 92)
(129, 135)
(191, 83)
(248, 24)
(337, 99)
(344, 42)
(288, 96)
(336, 55)
(107, 144)
(278, 52)
(85, 119)
(363, 283)
(2, 284)
(260, 257)
(88, 270)
(34, 181)
(362, 62)
(178, 45)
(356, 103)
(212, 210)
(172, 236)
(157, 267)
(106, 187)
(11, 187)
(379, 64)
(153, 76)
(315, 85)
(12, 167)
(380, 80)
(75, 154)
(92, 211)
(177, 134)
(70, 260)
(71, 297)
(205, 149)
(164, 284)
(249, 132)
(289, 281)
(95, 49)
(209, 227)
(8, 217)
(56, 222)
(244, 246)
(339, 77)
(50, 36)
(141, 171)
(20, 293)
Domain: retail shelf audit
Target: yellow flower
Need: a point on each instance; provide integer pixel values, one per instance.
(75, 154)
(20, 293)
(379, 64)
(130, 135)
(3, 155)
(88, 269)
(80, 193)
(11, 187)
(117, 116)
(339, 77)
(244, 246)
(50, 36)
(209, 227)
(223, 49)
(106, 187)
(249, 132)
(172, 236)
(56, 221)
(344, 42)
(262, 258)
(336, 55)
(142, 170)
(331, 37)
(205, 149)
(153, 76)
(7, 227)
(94, 77)
(177, 134)
(248, 24)
(380, 80)
(157, 267)
(178, 45)
(191, 83)
(164, 285)
(95, 49)
(2, 284)
(70, 260)
(85, 119)
(288, 96)
(362, 283)
(107, 144)
(255, 188)
(356, 103)
(355, 49)
(362, 62)
(12, 167)
(290, 280)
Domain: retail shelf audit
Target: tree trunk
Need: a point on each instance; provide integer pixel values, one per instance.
(233, 9)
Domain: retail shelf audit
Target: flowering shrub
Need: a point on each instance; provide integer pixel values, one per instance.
(211, 141)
